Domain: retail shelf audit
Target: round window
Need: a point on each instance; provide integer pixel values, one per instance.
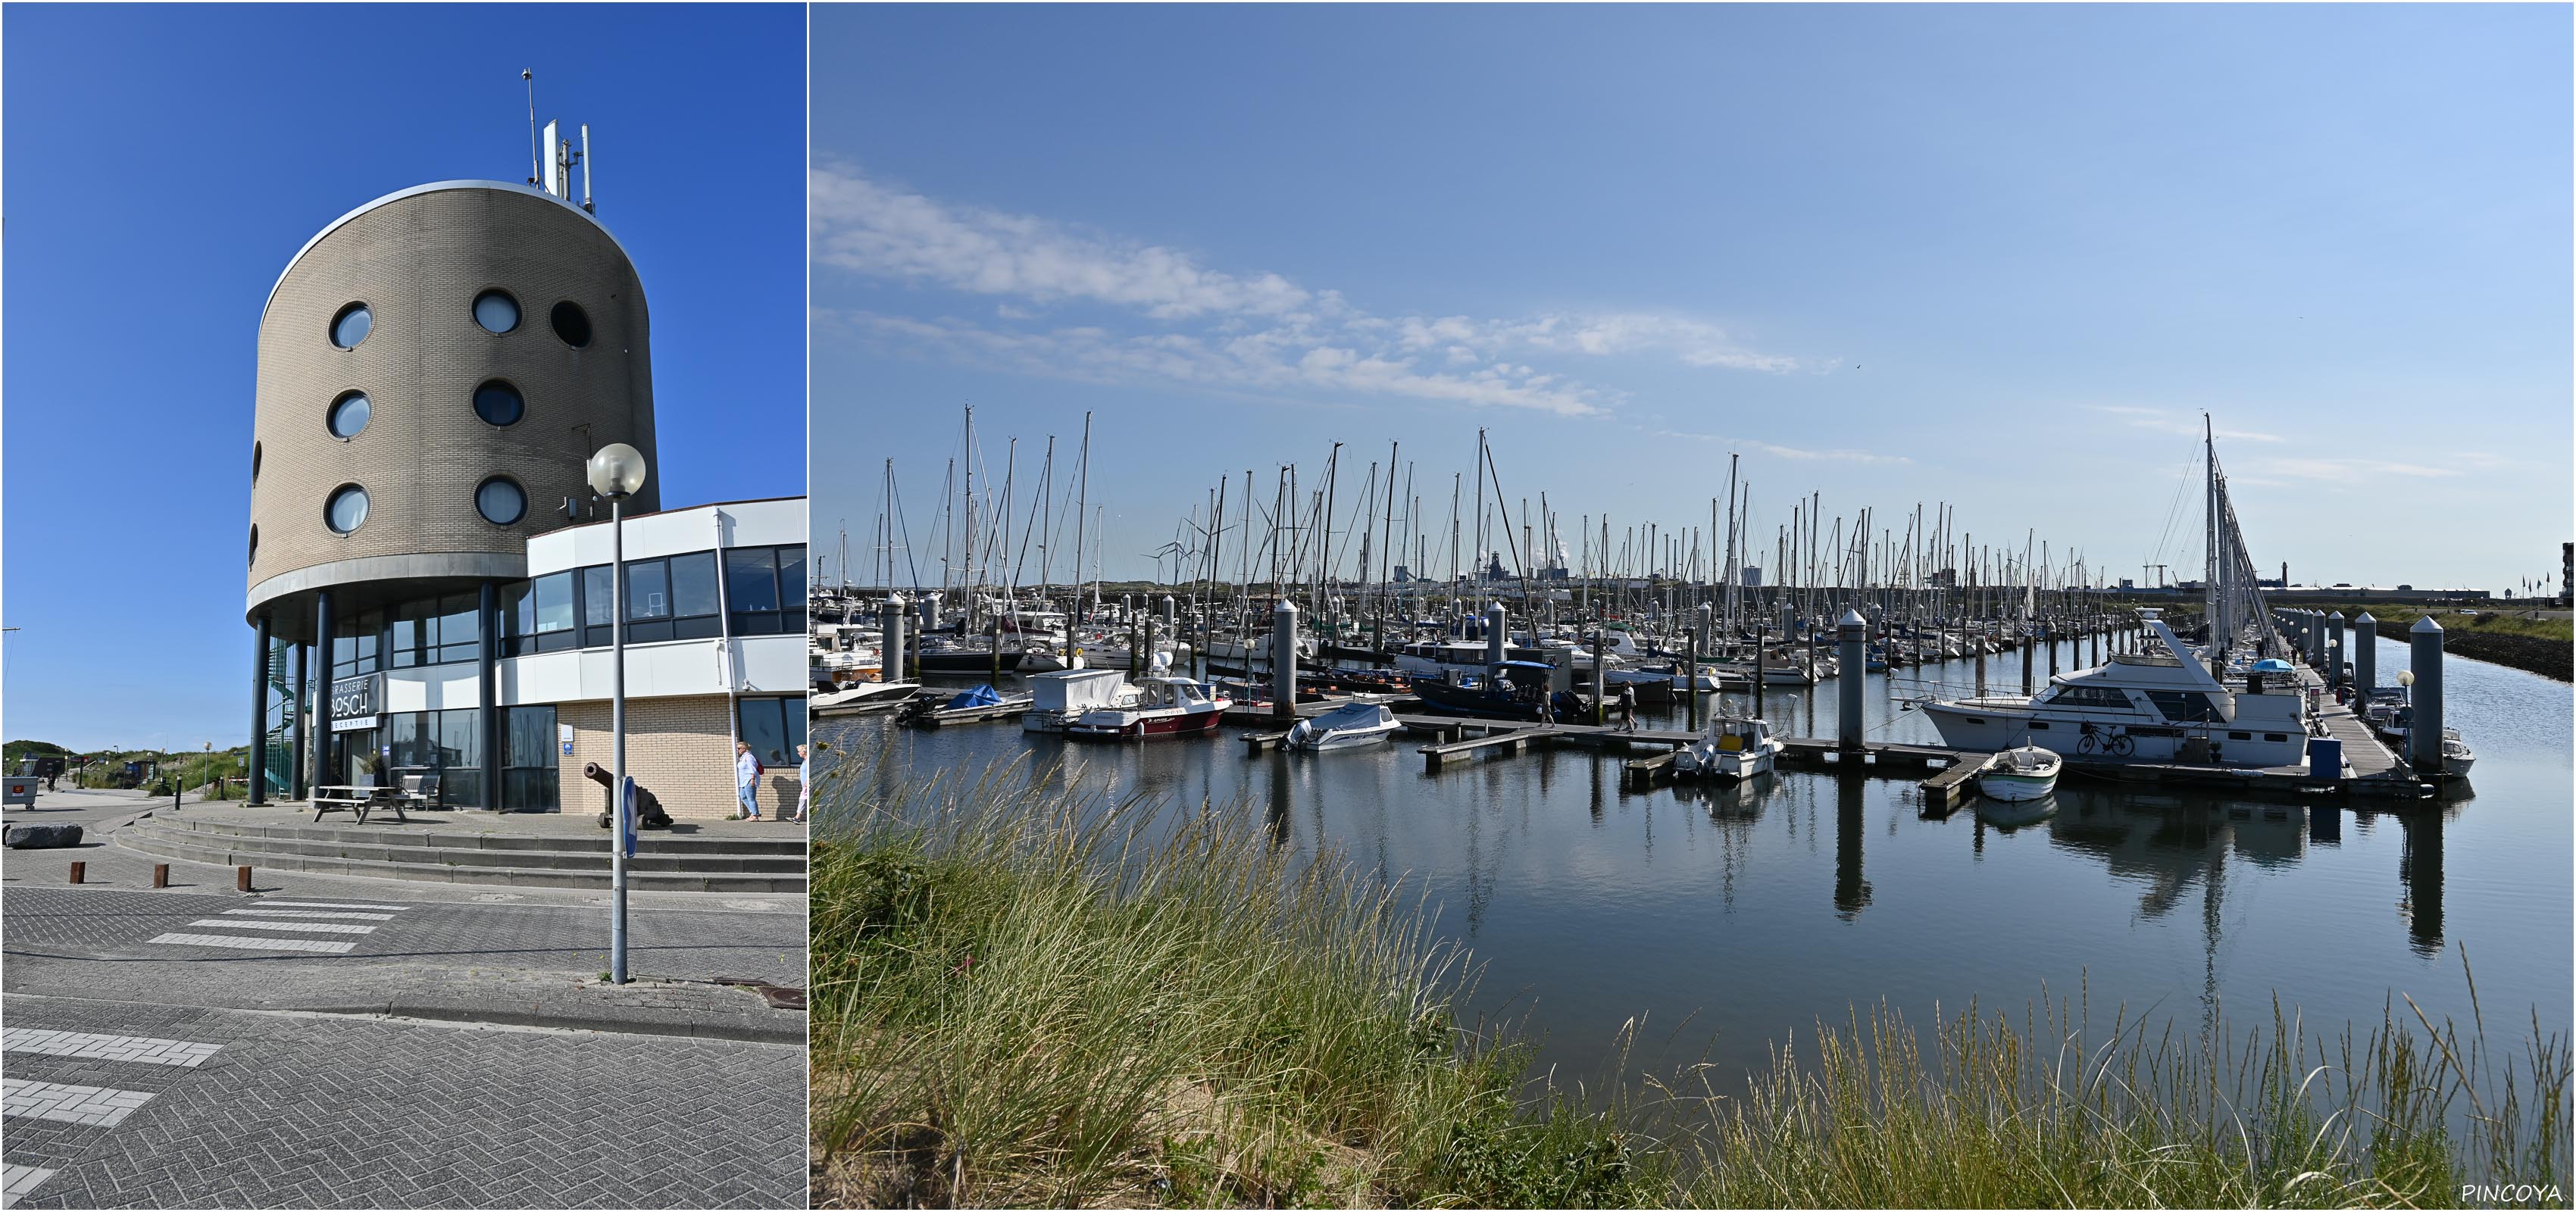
(572, 324)
(496, 311)
(347, 510)
(254, 544)
(348, 415)
(254, 462)
(498, 403)
(501, 501)
(352, 325)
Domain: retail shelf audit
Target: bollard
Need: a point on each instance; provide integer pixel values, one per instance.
(241, 877)
(1981, 664)
(2365, 655)
(78, 871)
(1283, 660)
(1497, 635)
(2424, 742)
(160, 875)
(1600, 678)
(2049, 638)
(1690, 679)
(2028, 660)
(1855, 666)
(2334, 649)
(893, 666)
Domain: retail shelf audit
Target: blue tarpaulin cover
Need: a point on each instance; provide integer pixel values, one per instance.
(2272, 665)
(981, 696)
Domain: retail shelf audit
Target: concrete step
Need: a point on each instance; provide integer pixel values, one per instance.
(648, 842)
(568, 854)
(197, 847)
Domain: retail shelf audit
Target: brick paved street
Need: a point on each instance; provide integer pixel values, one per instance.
(292, 1110)
(161, 1051)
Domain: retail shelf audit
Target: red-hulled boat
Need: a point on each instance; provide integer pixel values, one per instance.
(1165, 706)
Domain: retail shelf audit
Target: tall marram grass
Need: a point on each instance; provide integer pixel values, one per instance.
(1029, 994)
(1023, 994)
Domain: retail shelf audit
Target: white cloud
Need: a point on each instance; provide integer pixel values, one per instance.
(1255, 331)
(1778, 451)
(2167, 420)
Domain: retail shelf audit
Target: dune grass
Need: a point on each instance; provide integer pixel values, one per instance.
(1024, 994)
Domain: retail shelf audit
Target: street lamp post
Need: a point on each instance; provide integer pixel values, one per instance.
(617, 472)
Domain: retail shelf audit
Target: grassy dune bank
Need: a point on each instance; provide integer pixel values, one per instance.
(1026, 996)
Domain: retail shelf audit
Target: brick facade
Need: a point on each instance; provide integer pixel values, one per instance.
(680, 749)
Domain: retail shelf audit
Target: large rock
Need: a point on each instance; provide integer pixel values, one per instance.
(43, 837)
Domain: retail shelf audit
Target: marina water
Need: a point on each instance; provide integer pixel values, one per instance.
(1732, 918)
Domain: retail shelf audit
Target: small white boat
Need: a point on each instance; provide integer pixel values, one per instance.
(2026, 773)
(1733, 749)
(2456, 755)
(1348, 726)
(858, 697)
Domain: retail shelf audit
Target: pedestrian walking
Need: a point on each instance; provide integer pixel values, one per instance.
(746, 778)
(804, 785)
(1546, 710)
(1628, 708)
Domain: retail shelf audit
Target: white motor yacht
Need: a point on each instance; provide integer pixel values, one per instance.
(2149, 706)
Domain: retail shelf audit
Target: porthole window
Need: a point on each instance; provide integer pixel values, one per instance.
(254, 462)
(352, 325)
(572, 324)
(347, 509)
(496, 311)
(349, 415)
(254, 545)
(501, 501)
(498, 403)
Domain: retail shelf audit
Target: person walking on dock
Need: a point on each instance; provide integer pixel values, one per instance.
(1628, 708)
(746, 780)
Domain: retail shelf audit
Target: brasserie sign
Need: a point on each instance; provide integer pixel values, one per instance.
(355, 702)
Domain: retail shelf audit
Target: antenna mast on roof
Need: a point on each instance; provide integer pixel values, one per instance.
(551, 169)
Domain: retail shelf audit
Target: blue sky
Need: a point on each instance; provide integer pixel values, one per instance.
(1998, 256)
(163, 163)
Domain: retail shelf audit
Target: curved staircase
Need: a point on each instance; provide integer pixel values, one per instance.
(663, 862)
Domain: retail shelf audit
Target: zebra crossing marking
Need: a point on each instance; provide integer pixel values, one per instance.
(95, 1106)
(141, 1049)
(310, 927)
(245, 943)
(20, 1180)
(330, 905)
(312, 913)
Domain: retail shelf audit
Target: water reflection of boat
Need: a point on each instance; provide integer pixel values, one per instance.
(2008, 815)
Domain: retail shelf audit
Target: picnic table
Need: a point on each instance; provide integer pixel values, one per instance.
(362, 800)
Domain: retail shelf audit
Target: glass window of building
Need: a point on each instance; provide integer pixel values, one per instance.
(498, 403)
(648, 590)
(349, 415)
(597, 607)
(254, 544)
(254, 462)
(695, 606)
(553, 594)
(500, 501)
(347, 509)
(460, 631)
(413, 630)
(791, 580)
(352, 325)
(496, 311)
(528, 760)
(572, 324)
(773, 728)
(751, 578)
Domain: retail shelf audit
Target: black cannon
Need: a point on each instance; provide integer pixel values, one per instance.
(648, 808)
